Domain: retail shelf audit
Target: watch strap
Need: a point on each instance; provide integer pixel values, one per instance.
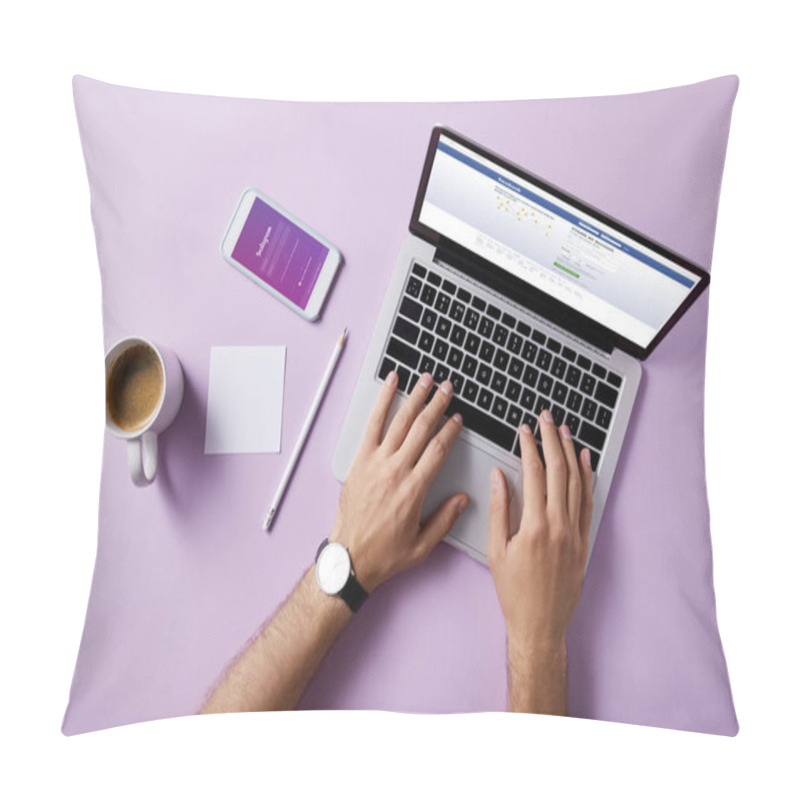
(353, 593)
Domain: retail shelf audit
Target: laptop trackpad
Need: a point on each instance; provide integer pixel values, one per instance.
(467, 468)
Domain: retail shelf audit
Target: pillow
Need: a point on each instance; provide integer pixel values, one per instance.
(184, 573)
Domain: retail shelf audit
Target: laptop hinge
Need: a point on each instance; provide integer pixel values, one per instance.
(522, 293)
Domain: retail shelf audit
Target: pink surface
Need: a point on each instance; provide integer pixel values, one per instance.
(184, 574)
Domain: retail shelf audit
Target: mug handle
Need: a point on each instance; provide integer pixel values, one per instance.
(143, 458)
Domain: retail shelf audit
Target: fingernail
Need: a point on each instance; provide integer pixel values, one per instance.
(586, 457)
(566, 433)
(457, 418)
(547, 416)
(462, 504)
(391, 378)
(447, 388)
(495, 477)
(525, 428)
(426, 381)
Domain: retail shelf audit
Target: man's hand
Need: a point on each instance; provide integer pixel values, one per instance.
(380, 505)
(538, 573)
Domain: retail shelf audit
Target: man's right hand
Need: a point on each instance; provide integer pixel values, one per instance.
(538, 573)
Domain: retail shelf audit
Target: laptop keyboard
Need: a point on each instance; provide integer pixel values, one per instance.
(504, 371)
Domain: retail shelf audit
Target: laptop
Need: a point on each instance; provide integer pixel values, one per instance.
(525, 298)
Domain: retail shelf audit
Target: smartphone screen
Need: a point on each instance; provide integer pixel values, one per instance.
(280, 253)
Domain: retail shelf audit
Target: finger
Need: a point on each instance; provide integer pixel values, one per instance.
(498, 516)
(377, 419)
(440, 522)
(425, 423)
(533, 477)
(431, 460)
(555, 467)
(587, 497)
(574, 482)
(408, 412)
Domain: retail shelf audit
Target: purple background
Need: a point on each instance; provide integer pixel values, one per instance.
(285, 255)
(184, 574)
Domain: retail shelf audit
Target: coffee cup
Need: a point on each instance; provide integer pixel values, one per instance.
(144, 390)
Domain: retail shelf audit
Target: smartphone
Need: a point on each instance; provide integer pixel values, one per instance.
(280, 253)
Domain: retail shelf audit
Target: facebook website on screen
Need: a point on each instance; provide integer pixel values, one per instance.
(537, 237)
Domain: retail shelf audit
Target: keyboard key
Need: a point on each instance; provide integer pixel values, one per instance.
(427, 365)
(440, 350)
(473, 343)
(541, 404)
(499, 407)
(472, 319)
(457, 311)
(529, 352)
(543, 359)
(484, 374)
(487, 352)
(403, 352)
(573, 376)
(418, 269)
(441, 373)
(428, 319)
(592, 436)
(428, 295)
(425, 342)
(538, 337)
(584, 362)
(414, 286)
(589, 409)
(411, 309)
(470, 366)
(574, 401)
(558, 368)
(554, 345)
(508, 320)
(412, 382)
(449, 287)
(443, 327)
(387, 365)
(606, 394)
(513, 390)
(406, 330)
(488, 427)
(587, 383)
(463, 295)
(614, 379)
(599, 371)
(569, 354)
(558, 415)
(500, 335)
(523, 329)
(603, 417)
(471, 391)
(457, 336)
(454, 358)
(545, 384)
(530, 376)
(515, 343)
(501, 360)
(442, 302)
(485, 399)
(402, 378)
(560, 392)
(499, 382)
(435, 279)
(493, 311)
(478, 304)
(528, 399)
(515, 368)
(573, 422)
(486, 327)
(457, 379)
(514, 416)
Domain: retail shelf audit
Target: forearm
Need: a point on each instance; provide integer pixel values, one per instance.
(274, 670)
(537, 678)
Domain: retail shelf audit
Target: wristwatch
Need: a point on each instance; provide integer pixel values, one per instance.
(335, 575)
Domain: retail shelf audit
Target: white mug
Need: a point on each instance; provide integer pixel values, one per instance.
(162, 406)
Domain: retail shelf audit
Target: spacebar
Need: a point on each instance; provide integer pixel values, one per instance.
(481, 423)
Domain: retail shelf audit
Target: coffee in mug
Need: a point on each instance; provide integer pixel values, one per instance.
(144, 390)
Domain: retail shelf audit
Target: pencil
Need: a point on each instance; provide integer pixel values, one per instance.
(301, 440)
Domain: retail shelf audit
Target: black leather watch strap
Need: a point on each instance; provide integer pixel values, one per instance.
(353, 593)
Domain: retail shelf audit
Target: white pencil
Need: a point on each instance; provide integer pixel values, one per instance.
(301, 440)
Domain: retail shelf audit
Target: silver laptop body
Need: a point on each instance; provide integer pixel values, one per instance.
(483, 297)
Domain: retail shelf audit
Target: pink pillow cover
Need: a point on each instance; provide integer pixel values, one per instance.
(184, 574)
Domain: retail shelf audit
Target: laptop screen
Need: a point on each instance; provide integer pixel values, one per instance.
(554, 245)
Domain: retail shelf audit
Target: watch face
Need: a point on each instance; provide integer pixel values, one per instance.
(333, 568)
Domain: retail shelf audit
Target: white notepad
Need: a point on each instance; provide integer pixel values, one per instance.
(245, 399)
